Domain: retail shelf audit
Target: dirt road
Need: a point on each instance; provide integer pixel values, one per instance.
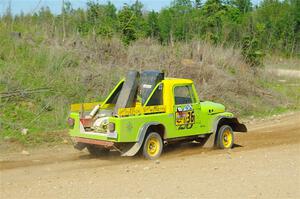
(264, 164)
(285, 72)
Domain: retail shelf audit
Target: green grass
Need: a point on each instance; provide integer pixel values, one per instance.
(287, 93)
(24, 66)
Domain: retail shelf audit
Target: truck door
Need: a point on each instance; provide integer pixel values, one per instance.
(186, 111)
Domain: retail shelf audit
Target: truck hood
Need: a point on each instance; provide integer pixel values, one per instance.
(212, 107)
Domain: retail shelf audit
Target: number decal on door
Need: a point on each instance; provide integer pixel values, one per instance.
(185, 118)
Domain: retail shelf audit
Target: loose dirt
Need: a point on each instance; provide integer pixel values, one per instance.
(265, 163)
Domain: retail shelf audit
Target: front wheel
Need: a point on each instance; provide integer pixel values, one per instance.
(225, 137)
(153, 146)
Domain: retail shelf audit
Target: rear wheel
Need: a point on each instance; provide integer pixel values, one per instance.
(225, 137)
(153, 146)
(97, 151)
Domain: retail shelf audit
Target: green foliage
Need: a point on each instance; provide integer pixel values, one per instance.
(153, 27)
(198, 4)
(243, 5)
(165, 24)
(127, 20)
(275, 23)
(280, 26)
(101, 19)
(132, 24)
(252, 52)
(214, 12)
(175, 23)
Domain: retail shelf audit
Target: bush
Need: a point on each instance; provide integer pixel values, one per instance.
(251, 52)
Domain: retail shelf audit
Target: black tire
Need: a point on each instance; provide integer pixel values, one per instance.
(225, 137)
(97, 151)
(153, 146)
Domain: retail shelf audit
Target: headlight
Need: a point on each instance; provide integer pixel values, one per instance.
(111, 127)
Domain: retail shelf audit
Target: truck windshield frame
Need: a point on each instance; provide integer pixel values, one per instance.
(114, 94)
(185, 95)
(156, 96)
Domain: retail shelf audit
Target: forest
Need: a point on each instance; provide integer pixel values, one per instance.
(273, 26)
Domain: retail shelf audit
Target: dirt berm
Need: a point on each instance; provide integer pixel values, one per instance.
(265, 163)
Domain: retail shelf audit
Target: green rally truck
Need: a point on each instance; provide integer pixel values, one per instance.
(144, 112)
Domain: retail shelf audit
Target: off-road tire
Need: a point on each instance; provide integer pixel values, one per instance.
(153, 146)
(225, 137)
